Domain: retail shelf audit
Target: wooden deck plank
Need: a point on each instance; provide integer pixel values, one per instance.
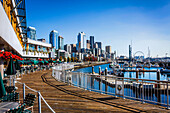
(64, 98)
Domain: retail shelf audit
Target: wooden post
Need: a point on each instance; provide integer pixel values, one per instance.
(106, 73)
(137, 74)
(99, 70)
(92, 69)
(158, 86)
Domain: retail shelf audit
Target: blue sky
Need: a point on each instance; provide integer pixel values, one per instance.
(113, 22)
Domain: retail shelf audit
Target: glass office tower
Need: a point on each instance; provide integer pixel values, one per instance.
(31, 33)
(53, 38)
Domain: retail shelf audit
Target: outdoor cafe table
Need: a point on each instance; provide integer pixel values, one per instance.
(5, 106)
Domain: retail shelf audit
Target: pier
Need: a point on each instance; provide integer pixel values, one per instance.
(66, 98)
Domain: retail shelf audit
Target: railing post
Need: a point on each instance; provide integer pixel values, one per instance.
(85, 82)
(167, 97)
(39, 102)
(101, 84)
(78, 79)
(142, 93)
(115, 87)
(23, 92)
(123, 89)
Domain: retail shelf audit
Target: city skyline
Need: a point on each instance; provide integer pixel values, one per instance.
(143, 22)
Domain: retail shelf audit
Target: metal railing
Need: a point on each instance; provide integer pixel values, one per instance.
(39, 97)
(145, 90)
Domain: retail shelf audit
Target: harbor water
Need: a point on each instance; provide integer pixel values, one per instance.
(93, 84)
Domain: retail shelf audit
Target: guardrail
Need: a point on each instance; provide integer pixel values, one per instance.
(145, 90)
(39, 97)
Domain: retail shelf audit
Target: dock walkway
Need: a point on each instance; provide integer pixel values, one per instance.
(64, 98)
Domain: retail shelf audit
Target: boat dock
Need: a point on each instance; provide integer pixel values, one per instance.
(66, 98)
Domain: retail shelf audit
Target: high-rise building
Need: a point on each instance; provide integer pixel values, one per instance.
(91, 42)
(99, 44)
(60, 42)
(53, 38)
(31, 33)
(81, 41)
(73, 47)
(108, 49)
(67, 48)
(95, 45)
(88, 44)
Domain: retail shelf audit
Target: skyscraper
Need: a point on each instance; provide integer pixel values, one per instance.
(31, 33)
(88, 44)
(99, 45)
(91, 42)
(73, 47)
(60, 42)
(53, 38)
(81, 41)
(67, 48)
(108, 49)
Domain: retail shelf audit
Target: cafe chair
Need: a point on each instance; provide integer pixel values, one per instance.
(19, 109)
(29, 101)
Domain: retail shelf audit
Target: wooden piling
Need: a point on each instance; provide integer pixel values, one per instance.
(92, 69)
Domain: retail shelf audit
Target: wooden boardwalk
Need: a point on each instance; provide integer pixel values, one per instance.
(66, 99)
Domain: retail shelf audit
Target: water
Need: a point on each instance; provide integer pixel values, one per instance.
(145, 75)
(94, 85)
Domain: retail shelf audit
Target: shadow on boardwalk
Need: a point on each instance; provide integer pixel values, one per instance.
(105, 100)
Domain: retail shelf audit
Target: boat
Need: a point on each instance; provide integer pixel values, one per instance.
(155, 65)
(114, 65)
(147, 64)
(165, 71)
(125, 65)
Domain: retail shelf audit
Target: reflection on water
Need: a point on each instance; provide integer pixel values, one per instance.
(142, 75)
(94, 84)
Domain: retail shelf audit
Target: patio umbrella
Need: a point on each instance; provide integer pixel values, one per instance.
(11, 70)
(50, 61)
(17, 66)
(2, 88)
(45, 62)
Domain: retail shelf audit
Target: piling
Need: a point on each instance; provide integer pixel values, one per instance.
(158, 86)
(92, 69)
(137, 74)
(99, 70)
(105, 73)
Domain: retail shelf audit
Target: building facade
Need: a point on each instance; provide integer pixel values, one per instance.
(31, 33)
(53, 38)
(91, 42)
(81, 41)
(67, 48)
(99, 44)
(108, 49)
(60, 42)
(88, 44)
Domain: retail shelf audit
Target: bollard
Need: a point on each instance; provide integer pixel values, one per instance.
(99, 70)
(92, 69)
(39, 102)
(23, 92)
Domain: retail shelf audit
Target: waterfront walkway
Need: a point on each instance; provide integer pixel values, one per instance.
(64, 98)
